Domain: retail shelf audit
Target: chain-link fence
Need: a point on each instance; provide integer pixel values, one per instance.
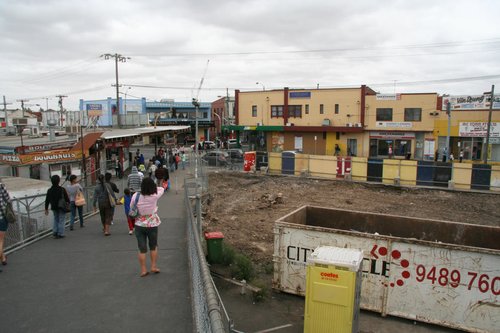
(32, 223)
(209, 312)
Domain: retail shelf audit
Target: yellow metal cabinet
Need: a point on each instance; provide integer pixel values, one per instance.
(333, 289)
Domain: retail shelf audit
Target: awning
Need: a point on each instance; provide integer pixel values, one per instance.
(89, 139)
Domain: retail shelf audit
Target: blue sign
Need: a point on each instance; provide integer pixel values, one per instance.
(94, 107)
(300, 94)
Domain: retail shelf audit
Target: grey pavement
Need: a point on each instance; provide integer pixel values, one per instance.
(86, 282)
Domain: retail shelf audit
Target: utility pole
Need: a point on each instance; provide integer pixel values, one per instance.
(61, 108)
(5, 111)
(447, 152)
(487, 143)
(121, 58)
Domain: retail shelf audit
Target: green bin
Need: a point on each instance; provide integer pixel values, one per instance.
(214, 246)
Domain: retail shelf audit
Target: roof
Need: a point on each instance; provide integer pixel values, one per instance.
(88, 140)
(122, 133)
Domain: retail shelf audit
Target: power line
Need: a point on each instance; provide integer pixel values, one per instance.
(492, 41)
(451, 80)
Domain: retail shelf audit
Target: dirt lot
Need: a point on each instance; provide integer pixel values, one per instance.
(244, 206)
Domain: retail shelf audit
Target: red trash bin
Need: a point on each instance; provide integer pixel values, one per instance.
(249, 160)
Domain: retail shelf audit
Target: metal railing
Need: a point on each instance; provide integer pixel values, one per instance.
(32, 224)
(209, 312)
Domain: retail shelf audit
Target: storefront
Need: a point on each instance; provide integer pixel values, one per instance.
(401, 144)
(44, 165)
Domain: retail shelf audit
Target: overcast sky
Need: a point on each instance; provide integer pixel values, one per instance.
(53, 47)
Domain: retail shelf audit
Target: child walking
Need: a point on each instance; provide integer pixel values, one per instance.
(126, 205)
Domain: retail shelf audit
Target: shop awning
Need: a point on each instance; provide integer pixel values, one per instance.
(89, 139)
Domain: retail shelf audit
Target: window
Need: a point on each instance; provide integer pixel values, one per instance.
(321, 109)
(307, 108)
(254, 110)
(295, 111)
(413, 114)
(384, 114)
(337, 136)
(336, 109)
(276, 111)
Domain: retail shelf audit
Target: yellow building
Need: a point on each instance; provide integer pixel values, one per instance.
(401, 125)
(309, 121)
(360, 122)
(468, 126)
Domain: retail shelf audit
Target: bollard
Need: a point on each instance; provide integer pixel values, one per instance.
(243, 287)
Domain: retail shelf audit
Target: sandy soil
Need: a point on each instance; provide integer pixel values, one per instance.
(245, 206)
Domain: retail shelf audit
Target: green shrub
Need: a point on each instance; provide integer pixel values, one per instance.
(228, 254)
(242, 268)
(261, 295)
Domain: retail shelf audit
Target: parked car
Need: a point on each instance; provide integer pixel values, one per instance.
(236, 155)
(206, 145)
(217, 158)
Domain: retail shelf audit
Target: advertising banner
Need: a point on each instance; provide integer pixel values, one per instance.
(470, 102)
(479, 129)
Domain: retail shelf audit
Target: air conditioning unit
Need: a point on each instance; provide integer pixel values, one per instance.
(349, 124)
(325, 122)
(259, 124)
(357, 125)
(289, 124)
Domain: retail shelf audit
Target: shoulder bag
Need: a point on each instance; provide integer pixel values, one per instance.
(80, 199)
(112, 200)
(10, 215)
(62, 204)
(134, 211)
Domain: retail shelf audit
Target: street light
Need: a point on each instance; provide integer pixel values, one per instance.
(263, 87)
(121, 58)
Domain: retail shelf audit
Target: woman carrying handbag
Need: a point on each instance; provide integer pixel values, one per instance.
(75, 192)
(105, 198)
(59, 204)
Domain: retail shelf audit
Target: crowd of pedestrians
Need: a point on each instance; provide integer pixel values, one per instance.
(145, 186)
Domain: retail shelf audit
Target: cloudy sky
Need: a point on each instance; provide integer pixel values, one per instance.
(53, 47)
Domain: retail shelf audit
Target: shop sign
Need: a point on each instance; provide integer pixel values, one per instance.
(392, 135)
(392, 124)
(48, 146)
(117, 144)
(470, 102)
(94, 110)
(54, 157)
(10, 159)
(479, 129)
(388, 97)
(300, 94)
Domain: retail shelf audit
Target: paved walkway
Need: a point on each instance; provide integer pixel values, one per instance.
(90, 283)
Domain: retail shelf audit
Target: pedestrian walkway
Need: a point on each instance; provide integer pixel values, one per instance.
(86, 282)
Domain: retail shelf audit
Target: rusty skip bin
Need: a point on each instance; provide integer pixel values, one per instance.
(433, 271)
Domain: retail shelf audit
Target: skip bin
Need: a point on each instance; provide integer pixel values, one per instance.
(440, 272)
(333, 290)
(214, 246)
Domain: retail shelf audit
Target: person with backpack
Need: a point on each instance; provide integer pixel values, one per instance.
(56, 195)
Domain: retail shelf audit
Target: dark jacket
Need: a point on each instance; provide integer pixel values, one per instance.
(53, 195)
